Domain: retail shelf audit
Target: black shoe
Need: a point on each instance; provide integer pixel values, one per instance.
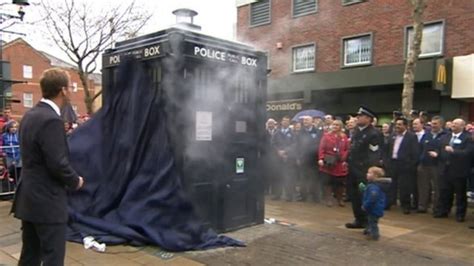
(440, 215)
(355, 225)
(459, 219)
(406, 211)
(421, 211)
(471, 227)
(365, 232)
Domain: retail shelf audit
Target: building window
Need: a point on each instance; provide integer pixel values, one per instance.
(28, 100)
(303, 58)
(27, 72)
(357, 50)
(304, 7)
(260, 13)
(350, 2)
(74, 87)
(432, 42)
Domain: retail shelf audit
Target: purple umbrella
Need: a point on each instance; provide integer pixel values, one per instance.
(309, 112)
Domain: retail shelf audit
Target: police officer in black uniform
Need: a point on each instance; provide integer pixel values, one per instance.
(365, 152)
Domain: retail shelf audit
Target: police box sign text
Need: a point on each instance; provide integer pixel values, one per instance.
(224, 56)
(140, 53)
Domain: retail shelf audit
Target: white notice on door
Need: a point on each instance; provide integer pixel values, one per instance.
(203, 126)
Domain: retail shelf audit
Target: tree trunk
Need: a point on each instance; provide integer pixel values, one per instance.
(87, 94)
(412, 56)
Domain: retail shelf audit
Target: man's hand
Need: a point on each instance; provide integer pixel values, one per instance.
(81, 183)
(449, 149)
(433, 154)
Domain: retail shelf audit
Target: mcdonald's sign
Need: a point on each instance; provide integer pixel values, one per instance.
(441, 77)
(441, 74)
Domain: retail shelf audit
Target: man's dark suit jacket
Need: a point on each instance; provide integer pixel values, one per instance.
(459, 161)
(41, 193)
(408, 152)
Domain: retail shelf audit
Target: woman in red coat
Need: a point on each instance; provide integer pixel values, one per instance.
(333, 152)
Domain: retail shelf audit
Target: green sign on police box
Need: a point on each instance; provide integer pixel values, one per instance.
(239, 165)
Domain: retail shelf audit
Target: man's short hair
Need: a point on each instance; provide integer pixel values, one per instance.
(52, 81)
(403, 119)
(439, 118)
(422, 121)
(286, 117)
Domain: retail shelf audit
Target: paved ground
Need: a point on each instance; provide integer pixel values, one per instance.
(317, 237)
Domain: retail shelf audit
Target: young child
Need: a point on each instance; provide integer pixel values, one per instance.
(373, 202)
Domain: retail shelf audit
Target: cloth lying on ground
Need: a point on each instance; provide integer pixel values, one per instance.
(133, 192)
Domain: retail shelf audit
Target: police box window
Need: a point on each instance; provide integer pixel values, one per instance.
(357, 50)
(260, 13)
(28, 100)
(432, 40)
(304, 7)
(303, 58)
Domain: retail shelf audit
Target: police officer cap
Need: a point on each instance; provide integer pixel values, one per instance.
(366, 111)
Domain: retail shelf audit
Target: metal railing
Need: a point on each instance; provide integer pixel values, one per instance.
(9, 174)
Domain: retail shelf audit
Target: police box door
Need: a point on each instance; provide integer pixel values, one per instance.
(241, 186)
(223, 109)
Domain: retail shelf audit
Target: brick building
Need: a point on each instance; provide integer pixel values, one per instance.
(336, 54)
(26, 64)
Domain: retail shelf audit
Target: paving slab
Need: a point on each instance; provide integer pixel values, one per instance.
(305, 234)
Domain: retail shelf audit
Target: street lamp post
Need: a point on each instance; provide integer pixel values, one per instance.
(3, 64)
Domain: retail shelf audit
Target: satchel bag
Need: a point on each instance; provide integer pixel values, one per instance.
(330, 160)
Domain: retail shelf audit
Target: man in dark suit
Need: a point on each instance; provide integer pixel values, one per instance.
(455, 157)
(404, 152)
(428, 170)
(307, 148)
(365, 152)
(40, 199)
(270, 158)
(285, 141)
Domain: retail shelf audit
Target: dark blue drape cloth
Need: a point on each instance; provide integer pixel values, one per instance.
(133, 192)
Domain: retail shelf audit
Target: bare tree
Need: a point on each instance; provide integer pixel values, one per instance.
(412, 56)
(83, 32)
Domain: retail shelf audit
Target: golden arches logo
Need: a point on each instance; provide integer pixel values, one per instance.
(441, 77)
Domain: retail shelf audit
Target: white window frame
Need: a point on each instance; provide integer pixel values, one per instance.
(262, 23)
(28, 101)
(315, 10)
(74, 87)
(355, 37)
(27, 71)
(351, 2)
(425, 26)
(293, 58)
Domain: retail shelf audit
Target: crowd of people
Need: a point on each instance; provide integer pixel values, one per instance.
(10, 161)
(10, 158)
(426, 163)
